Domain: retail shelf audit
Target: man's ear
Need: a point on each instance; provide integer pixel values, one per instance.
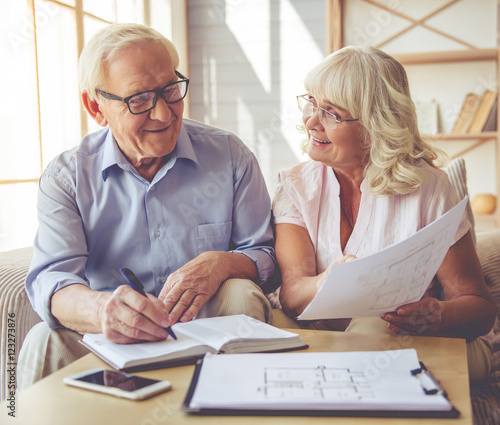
(93, 109)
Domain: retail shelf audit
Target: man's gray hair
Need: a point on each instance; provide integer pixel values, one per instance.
(106, 42)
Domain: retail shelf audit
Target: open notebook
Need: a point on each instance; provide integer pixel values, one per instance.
(227, 334)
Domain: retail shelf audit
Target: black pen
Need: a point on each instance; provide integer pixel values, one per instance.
(136, 284)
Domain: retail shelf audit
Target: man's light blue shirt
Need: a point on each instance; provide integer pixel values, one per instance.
(97, 214)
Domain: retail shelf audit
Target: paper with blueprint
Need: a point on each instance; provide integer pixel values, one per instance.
(310, 382)
(397, 275)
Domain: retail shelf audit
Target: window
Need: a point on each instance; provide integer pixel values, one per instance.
(41, 41)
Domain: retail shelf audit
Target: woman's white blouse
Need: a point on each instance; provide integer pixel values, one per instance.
(308, 195)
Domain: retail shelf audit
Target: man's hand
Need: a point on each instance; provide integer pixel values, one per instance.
(420, 318)
(127, 316)
(189, 288)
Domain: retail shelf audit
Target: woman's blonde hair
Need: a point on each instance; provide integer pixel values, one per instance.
(373, 86)
(106, 42)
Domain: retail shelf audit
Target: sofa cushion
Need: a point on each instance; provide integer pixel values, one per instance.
(14, 305)
(457, 174)
(488, 251)
(486, 398)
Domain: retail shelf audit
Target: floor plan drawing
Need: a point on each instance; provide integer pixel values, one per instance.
(315, 383)
(412, 270)
(383, 281)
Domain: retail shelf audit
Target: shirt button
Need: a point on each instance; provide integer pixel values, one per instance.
(163, 279)
(152, 187)
(157, 233)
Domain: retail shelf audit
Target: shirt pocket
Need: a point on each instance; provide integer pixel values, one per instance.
(213, 237)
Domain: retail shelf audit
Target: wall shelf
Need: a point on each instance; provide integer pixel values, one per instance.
(447, 56)
(487, 135)
(467, 53)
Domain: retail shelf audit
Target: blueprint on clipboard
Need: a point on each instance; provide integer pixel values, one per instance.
(397, 275)
(339, 384)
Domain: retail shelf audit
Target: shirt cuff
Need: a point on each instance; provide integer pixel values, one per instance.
(265, 262)
(41, 290)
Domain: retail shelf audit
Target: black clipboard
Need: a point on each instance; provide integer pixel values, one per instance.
(421, 372)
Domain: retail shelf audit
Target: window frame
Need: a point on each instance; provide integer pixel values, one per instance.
(179, 35)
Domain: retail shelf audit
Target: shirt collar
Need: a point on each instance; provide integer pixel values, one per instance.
(112, 154)
(184, 147)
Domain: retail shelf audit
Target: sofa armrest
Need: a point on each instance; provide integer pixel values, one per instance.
(488, 251)
(14, 304)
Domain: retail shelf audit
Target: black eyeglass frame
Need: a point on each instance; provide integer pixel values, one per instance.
(338, 121)
(159, 92)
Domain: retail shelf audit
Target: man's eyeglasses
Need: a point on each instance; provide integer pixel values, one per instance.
(326, 118)
(142, 102)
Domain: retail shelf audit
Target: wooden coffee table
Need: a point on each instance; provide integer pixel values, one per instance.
(49, 401)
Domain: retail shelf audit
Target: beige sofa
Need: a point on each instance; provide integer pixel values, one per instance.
(16, 310)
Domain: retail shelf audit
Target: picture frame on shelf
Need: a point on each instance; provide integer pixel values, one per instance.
(427, 116)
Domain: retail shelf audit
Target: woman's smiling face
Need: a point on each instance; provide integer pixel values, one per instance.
(340, 148)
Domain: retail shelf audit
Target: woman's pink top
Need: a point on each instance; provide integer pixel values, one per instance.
(308, 195)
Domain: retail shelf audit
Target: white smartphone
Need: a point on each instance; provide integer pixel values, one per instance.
(119, 384)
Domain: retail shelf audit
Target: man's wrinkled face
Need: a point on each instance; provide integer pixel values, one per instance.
(131, 70)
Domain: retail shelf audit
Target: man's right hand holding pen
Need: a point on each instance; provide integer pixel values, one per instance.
(136, 284)
(127, 316)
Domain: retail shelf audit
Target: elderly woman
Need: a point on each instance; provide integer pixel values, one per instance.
(372, 181)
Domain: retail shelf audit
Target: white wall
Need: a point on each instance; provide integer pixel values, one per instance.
(248, 59)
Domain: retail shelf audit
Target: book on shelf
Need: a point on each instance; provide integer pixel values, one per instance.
(491, 122)
(483, 111)
(467, 113)
(227, 334)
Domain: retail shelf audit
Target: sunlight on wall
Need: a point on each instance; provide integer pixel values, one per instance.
(253, 35)
(246, 122)
(299, 54)
(248, 61)
(294, 53)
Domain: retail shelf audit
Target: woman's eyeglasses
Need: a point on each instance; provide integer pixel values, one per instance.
(326, 118)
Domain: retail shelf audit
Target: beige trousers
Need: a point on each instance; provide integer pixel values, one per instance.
(479, 352)
(44, 351)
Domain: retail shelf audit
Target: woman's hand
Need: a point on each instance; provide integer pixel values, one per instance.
(419, 318)
(322, 276)
(297, 261)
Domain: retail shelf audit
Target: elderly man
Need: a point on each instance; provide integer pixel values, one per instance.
(182, 204)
